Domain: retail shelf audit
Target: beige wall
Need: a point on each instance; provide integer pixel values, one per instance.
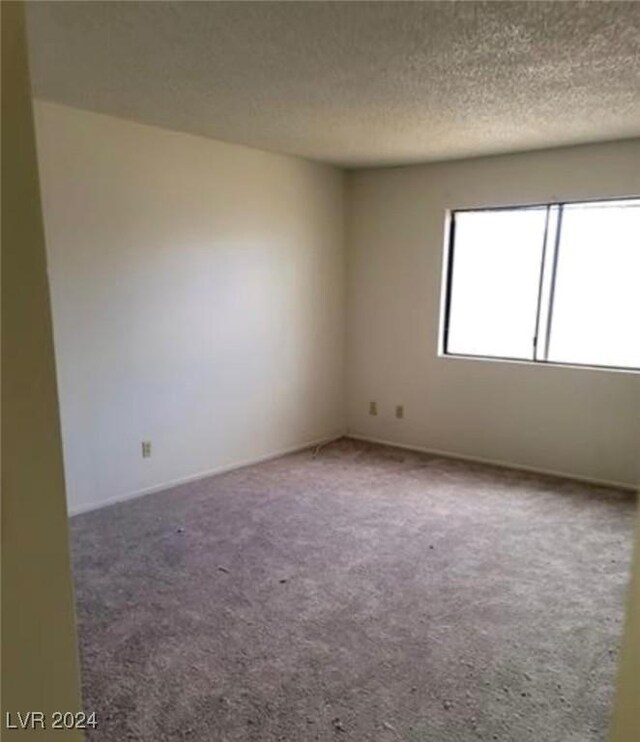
(575, 421)
(625, 725)
(198, 301)
(39, 663)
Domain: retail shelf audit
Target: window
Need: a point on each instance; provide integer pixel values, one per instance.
(558, 283)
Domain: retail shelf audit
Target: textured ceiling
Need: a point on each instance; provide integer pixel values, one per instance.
(352, 83)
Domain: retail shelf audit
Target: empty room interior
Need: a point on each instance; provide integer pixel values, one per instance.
(345, 310)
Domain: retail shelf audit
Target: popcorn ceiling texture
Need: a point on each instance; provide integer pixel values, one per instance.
(351, 83)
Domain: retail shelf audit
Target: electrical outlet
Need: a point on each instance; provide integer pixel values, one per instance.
(400, 411)
(146, 449)
(373, 408)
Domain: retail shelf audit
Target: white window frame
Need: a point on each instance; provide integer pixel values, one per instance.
(546, 285)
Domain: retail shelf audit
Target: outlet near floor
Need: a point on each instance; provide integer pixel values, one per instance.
(146, 449)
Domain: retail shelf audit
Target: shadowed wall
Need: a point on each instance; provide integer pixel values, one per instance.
(39, 663)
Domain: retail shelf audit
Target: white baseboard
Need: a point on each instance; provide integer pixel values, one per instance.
(322, 441)
(496, 462)
(203, 475)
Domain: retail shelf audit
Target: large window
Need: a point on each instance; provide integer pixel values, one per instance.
(558, 283)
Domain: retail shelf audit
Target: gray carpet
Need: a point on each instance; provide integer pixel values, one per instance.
(368, 593)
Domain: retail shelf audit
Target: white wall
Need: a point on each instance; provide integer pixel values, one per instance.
(577, 421)
(198, 301)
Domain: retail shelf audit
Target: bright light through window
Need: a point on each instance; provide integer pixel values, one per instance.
(596, 309)
(494, 289)
(556, 283)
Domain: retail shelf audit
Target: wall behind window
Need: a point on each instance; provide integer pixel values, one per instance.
(198, 300)
(575, 421)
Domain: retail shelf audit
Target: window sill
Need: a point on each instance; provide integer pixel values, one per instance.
(539, 364)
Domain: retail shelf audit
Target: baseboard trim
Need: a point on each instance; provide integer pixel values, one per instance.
(223, 469)
(496, 462)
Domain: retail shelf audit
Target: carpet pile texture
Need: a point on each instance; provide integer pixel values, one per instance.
(363, 593)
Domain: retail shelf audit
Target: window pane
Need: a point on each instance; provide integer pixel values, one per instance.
(596, 308)
(496, 273)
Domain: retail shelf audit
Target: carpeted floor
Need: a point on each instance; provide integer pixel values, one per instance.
(368, 593)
